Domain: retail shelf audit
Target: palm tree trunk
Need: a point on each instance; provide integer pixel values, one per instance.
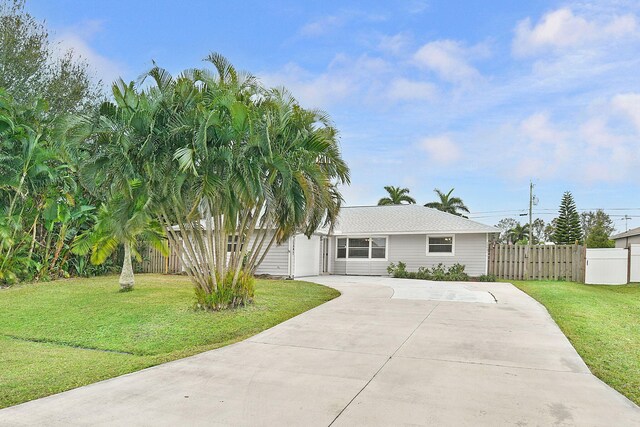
(126, 277)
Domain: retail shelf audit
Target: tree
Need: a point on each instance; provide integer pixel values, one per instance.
(397, 196)
(568, 229)
(125, 220)
(519, 234)
(231, 168)
(597, 227)
(537, 231)
(550, 230)
(505, 225)
(31, 68)
(448, 204)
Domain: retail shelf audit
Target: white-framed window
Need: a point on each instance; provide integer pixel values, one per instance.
(440, 245)
(362, 248)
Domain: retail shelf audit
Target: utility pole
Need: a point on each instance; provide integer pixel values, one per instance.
(626, 222)
(530, 211)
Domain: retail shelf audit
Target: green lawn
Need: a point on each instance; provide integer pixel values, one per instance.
(60, 335)
(602, 323)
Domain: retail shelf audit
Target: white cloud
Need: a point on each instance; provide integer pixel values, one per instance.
(345, 78)
(395, 44)
(563, 29)
(449, 59)
(404, 89)
(321, 26)
(78, 40)
(442, 149)
(629, 105)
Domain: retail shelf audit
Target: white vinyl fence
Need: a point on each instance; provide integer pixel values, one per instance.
(635, 263)
(607, 266)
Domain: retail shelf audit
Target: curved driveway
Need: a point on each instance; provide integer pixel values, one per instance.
(387, 352)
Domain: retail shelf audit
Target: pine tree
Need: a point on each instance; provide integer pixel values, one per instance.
(568, 226)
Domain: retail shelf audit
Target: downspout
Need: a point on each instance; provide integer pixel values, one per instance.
(292, 257)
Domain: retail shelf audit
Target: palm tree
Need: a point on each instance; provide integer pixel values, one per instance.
(220, 158)
(125, 221)
(518, 233)
(448, 204)
(397, 196)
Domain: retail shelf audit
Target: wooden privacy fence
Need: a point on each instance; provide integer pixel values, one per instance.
(539, 262)
(154, 262)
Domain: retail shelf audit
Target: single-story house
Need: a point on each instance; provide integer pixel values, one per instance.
(624, 240)
(366, 239)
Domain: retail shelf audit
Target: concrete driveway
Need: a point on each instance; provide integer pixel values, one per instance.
(387, 352)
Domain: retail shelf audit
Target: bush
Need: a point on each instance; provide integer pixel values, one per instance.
(398, 271)
(488, 278)
(227, 295)
(440, 272)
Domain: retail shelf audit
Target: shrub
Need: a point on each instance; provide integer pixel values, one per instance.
(398, 271)
(456, 273)
(439, 272)
(488, 278)
(227, 295)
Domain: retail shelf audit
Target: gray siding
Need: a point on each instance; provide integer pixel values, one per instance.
(626, 241)
(470, 250)
(276, 263)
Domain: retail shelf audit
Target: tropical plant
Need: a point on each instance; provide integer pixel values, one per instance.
(447, 203)
(124, 220)
(519, 234)
(568, 229)
(230, 167)
(397, 196)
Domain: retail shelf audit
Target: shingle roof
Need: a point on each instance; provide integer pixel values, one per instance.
(399, 219)
(630, 233)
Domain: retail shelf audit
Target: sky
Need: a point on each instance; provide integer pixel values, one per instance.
(480, 96)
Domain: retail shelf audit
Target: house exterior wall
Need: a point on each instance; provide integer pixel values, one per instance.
(626, 241)
(469, 250)
(276, 262)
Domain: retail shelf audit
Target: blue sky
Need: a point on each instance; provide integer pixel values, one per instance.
(480, 96)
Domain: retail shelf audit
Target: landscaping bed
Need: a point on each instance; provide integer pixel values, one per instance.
(60, 335)
(602, 323)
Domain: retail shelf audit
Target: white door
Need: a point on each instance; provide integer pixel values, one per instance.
(306, 256)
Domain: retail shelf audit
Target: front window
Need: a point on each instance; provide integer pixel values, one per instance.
(361, 248)
(342, 248)
(440, 245)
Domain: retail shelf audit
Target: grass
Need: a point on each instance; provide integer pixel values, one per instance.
(602, 323)
(61, 335)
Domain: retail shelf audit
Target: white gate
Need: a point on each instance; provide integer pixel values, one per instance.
(606, 266)
(635, 263)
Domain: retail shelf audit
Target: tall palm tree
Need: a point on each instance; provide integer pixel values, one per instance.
(397, 196)
(448, 204)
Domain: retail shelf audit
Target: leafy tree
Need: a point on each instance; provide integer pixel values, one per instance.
(537, 231)
(505, 225)
(447, 203)
(568, 228)
(397, 196)
(549, 230)
(597, 227)
(32, 68)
